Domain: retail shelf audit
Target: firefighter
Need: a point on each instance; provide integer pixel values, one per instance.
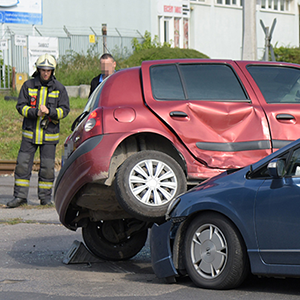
(43, 102)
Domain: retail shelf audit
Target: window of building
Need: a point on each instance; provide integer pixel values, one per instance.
(277, 5)
(230, 2)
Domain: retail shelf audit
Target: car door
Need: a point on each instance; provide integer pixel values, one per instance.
(210, 107)
(279, 94)
(277, 211)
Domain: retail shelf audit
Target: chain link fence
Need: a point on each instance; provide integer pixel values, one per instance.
(14, 59)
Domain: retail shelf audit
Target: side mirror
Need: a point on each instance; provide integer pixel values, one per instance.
(276, 168)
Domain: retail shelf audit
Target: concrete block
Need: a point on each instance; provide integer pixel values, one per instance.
(84, 90)
(73, 91)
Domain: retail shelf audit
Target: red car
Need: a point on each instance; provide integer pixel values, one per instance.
(149, 132)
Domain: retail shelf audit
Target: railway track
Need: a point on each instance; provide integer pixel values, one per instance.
(7, 166)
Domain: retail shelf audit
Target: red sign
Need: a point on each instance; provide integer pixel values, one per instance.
(168, 8)
(178, 9)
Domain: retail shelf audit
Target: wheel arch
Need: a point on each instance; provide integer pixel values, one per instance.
(139, 142)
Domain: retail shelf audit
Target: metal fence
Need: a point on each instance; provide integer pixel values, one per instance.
(15, 58)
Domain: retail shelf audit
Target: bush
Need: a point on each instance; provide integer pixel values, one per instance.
(75, 68)
(287, 54)
(160, 53)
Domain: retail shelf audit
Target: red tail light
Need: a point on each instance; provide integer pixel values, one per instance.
(93, 124)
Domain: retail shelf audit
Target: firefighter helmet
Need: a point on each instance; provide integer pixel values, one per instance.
(46, 61)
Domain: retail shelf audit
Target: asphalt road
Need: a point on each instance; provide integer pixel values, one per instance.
(36, 263)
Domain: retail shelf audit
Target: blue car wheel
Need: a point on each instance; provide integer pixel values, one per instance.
(215, 255)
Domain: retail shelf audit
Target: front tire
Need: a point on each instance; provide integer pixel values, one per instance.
(116, 239)
(146, 183)
(215, 255)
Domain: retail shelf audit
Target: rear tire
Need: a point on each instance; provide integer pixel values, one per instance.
(146, 183)
(114, 240)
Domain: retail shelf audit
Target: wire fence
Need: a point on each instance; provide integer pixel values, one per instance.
(15, 58)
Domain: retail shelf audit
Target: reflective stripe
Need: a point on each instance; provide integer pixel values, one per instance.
(25, 110)
(54, 94)
(60, 113)
(51, 137)
(45, 185)
(32, 92)
(22, 182)
(27, 134)
(39, 131)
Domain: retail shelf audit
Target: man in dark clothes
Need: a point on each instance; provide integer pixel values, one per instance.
(108, 65)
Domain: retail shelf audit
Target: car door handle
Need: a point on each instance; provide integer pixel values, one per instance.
(285, 117)
(180, 114)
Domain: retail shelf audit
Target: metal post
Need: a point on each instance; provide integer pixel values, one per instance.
(104, 35)
(268, 37)
(267, 44)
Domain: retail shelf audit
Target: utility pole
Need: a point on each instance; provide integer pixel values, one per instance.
(249, 51)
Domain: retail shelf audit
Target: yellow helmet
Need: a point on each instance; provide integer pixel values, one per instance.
(46, 61)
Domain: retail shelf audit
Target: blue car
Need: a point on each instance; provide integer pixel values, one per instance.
(240, 221)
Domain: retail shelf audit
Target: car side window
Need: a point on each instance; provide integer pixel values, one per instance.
(215, 82)
(277, 84)
(166, 83)
(262, 172)
(293, 168)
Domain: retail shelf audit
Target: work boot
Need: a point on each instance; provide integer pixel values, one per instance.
(46, 202)
(16, 202)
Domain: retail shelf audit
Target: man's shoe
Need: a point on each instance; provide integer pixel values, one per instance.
(46, 202)
(16, 202)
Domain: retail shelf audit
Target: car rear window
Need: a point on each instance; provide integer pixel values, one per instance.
(215, 82)
(166, 83)
(278, 84)
(211, 82)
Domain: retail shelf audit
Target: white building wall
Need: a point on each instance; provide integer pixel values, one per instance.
(217, 30)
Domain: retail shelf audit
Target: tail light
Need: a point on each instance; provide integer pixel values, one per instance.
(93, 124)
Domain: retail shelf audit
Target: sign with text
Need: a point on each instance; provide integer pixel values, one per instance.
(3, 45)
(21, 11)
(173, 8)
(21, 40)
(39, 45)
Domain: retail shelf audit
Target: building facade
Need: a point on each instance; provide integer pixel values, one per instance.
(213, 27)
(216, 27)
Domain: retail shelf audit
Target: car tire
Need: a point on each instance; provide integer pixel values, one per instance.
(142, 187)
(215, 255)
(114, 240)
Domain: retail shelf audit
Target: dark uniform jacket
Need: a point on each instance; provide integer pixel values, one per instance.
(32, 95)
